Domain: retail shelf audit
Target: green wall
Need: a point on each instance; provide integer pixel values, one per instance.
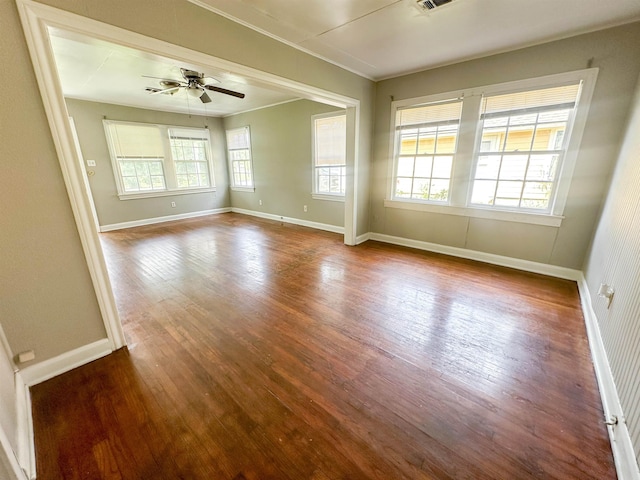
(281, 148)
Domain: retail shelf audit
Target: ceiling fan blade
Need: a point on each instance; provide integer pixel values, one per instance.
(205, 98)
(156, 91)
(224, 90)
(162, 78)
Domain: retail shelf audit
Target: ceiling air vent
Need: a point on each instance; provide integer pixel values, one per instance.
(431, 4)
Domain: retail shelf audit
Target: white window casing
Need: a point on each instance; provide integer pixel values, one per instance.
(152, 160)
(329, 155)
(510, 139)
(240, 159)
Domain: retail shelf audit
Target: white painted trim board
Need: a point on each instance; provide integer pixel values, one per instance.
(519, 264)
(294, 221)
(167, 218)
(621, 445)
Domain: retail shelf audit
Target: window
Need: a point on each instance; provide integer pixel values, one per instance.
(240, 164)
(153, 160)
(522, 147)
(505, 151)
(189, 152)
(329, 155)
(426, 138)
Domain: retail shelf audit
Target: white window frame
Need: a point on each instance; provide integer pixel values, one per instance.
(169, 168)
(240, 188)
(469, 140)
(336, 197)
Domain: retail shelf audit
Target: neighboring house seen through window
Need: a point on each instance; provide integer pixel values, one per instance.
(503, 151)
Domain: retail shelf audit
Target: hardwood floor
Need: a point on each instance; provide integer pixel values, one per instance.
(260, 350)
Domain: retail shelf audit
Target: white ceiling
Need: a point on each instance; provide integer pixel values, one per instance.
(374, 38)
(385, 38)
(99, 71)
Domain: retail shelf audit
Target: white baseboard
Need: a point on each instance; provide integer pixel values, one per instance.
(526, 265)
(40, 372)
(621, 445)
(363, 238)
(295, 221)
(168, 218)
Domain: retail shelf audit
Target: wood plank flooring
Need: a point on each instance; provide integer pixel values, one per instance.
(260, 350)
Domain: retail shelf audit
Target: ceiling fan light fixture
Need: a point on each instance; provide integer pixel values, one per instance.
(195, 91)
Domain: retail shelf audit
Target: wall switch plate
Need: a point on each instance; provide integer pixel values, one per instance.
(173, 204)
(91, 163)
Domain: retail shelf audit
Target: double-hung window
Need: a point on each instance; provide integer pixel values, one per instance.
(154, 160)
(190, 152)
(426, 141)
(522, 147)
(503, 151)
(240, 161)
(329, 155)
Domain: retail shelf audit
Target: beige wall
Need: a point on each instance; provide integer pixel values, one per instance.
(47, 302)
(110, 209)
(281, 147)
(614, 259)
(615, 52)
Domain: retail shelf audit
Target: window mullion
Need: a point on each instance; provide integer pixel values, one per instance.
(169, 162)
(463, 161)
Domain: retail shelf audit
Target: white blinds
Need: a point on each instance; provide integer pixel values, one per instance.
(188, 133)
(238, 138)
(547, 97)
(436, 113)
(331, 140)
(136, 141)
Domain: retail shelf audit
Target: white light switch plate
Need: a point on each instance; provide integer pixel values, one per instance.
(91, 163)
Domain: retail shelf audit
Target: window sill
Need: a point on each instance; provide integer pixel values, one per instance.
(243, 189)
(506, 216)
(325, 196)
(163, 193)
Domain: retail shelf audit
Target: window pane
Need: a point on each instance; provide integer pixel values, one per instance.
(421, 188)
(483, 192)
(423, 167)
(507, 192)
(513, 167)
(519, 139)
(488, 167)
(447, 140)
(403, 187)
(405, 166)
(408, 144)
(442, 167)
(439, 191)
(127, 168)
(542, 167)
(130, 184)
(427, 142)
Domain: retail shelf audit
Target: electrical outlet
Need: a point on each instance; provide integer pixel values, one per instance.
(260, 202)
(173, 204)
(304, 208)
(26, 356)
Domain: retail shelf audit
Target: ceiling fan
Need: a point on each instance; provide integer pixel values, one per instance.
(194, 83)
